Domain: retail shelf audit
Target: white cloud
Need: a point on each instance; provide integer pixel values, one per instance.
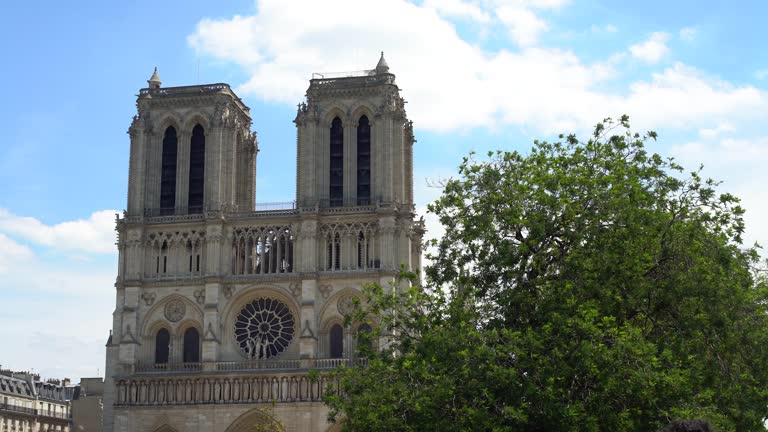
(53, 303)
(739, 163)
(545, 89)
(684, 97)
(608, 28)
(761, 74)
(11, 253)
(536, 4)
(459, 9)
(95, 234)
(523, 25)
(653, 49)
(688, 33)
(716, 131)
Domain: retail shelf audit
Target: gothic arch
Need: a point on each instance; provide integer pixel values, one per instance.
(155, 314)
(256, 417)
(324, 336)
(328, 309)
(165, 428)
(362, 108)
(155, 327)
(194, 118)
(170, 119)
(188, 323)
(331, 113)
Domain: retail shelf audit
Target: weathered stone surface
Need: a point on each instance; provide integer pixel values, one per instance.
(199, 268)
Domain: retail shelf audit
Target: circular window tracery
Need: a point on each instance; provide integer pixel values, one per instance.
(264, 328)
(175, 310)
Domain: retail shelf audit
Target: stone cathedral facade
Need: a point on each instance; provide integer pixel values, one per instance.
(225, 306)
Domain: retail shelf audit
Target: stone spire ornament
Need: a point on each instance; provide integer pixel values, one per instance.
(382, 67)
(155, 82)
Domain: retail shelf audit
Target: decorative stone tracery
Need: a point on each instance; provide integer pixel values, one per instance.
(174, 310)
(262, 250)
(175, 253)
(264, 328)
(349, 246)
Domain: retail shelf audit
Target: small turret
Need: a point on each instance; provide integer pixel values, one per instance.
(155, 82)
(382, 67)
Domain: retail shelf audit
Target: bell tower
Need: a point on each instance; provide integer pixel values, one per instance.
(354, 141)
(191, 151)
(221, 307)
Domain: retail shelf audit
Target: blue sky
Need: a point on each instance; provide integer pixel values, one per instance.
(478, 75)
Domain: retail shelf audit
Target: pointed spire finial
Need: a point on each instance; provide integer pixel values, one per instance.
(154, 81)
(382, 66)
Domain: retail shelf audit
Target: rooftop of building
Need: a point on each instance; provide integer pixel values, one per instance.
(155, 89)
(360, 78)
(28, 384)
(15, 386)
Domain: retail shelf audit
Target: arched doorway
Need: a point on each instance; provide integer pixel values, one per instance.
(256, 420)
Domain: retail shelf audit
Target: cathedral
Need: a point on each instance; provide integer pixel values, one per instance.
(225, 307)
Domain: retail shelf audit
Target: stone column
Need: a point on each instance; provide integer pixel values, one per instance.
(308, 325)
(130, 333)
(212, 172)
(403, 246)
(214, 243)
(182, 171)
(211, 328)
(305, 247)
(386, 243)
(374, 151)
(133, 253)
(136, 169)
(153, 159)
(350, 174)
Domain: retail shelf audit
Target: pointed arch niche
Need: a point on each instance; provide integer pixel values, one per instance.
(168, 172)
(363, 161)
(260, 419)
(196, 170)
(336, 173)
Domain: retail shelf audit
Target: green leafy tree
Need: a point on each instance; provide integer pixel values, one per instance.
(583, 286)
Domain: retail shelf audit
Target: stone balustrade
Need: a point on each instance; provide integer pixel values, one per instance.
(221, 389)
(245, 366)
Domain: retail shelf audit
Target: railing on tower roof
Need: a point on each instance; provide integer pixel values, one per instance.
(284, 205)
(194, 90)
(350, 79)
(181, 90)
(347, 74)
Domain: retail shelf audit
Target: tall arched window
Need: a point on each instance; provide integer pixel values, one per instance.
(336, 339)
(191, 346)
(196, 170)
(168, 172)
(363, 161)
(336, 192)
(162, 346)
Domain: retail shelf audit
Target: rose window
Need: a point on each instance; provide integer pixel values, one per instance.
(264, 328)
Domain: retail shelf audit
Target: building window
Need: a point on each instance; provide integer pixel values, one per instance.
(363, 161)
(264, 328)
(168, 172)
(336, 337)
(162, 346)
(333, 251)
(336, 192)
(196, 170)
(191, 346)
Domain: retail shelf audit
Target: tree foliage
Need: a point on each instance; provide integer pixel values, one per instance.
(584, 286)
